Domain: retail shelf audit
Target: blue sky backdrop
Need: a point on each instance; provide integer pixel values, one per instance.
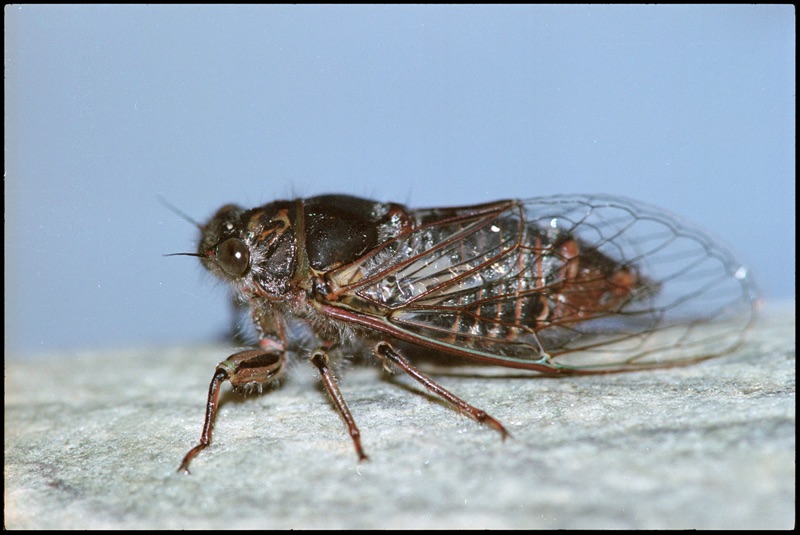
(691, 108)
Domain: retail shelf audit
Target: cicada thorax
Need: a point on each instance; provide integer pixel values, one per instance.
(285, 243)
(276, 255)
(340, 229)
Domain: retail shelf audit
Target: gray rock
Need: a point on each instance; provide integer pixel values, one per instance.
(93, 441)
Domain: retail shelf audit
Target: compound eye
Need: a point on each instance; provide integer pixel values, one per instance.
(233, 257)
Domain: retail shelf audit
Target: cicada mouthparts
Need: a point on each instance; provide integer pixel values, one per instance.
(561, 285)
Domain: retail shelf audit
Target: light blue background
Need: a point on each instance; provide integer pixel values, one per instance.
(107, 107)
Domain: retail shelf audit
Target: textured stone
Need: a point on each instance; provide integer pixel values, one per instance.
(93, 441)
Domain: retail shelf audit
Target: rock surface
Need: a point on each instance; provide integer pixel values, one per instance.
(93, 441)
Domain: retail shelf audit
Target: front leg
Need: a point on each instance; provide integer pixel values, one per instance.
(245, 369)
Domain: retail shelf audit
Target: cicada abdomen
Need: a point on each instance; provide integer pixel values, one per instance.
(564, 283)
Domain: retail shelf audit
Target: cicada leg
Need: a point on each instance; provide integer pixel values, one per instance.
(388, 354)
(319, 358)
(253, 367)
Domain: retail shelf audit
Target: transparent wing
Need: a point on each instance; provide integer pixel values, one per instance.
(580, 283)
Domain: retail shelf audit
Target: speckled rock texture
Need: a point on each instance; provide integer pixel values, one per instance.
(93, 441)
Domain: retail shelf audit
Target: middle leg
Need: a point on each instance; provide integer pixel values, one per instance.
(320, 359)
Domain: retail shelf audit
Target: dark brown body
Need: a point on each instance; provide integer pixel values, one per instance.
(523, 284)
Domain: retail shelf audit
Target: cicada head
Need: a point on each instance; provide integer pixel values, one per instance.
(254, 250)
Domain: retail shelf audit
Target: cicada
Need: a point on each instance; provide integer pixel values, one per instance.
(560, 285)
